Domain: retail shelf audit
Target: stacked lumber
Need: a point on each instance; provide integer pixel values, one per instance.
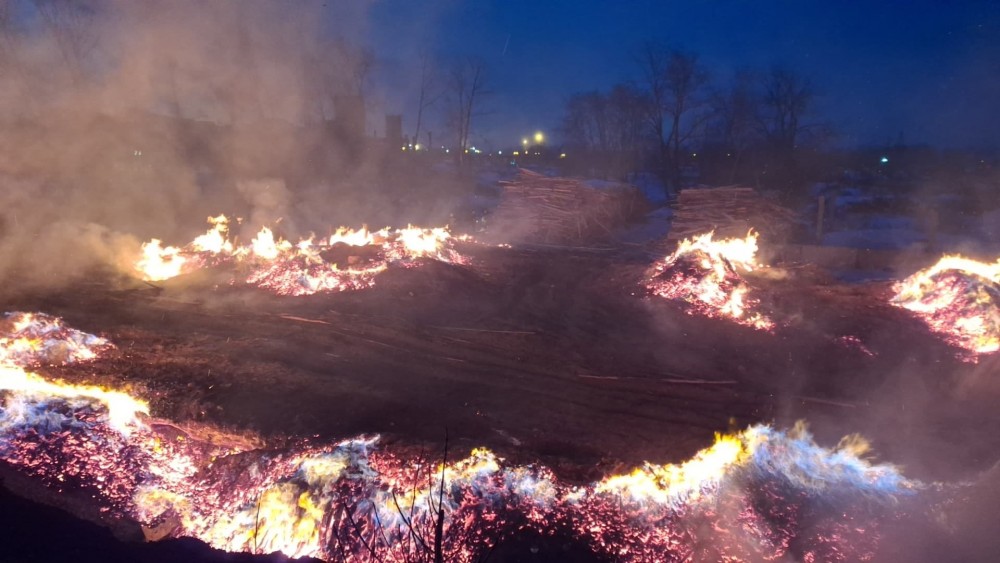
(556, 210)
(730, 211)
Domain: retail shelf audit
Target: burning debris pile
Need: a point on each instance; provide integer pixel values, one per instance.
(560, 210)
(757, 494)
(348, 259)
(958, 298)
(705, 274)
(728, 211)
(31, 339)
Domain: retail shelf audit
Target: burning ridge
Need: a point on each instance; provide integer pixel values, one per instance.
(759, 493)
(705, 274)
(958, 298)
(346, 260)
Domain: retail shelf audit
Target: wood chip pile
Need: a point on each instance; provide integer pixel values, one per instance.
(555, 210)
(730, 211)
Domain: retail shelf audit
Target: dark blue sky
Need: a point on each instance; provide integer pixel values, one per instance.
(928, 69)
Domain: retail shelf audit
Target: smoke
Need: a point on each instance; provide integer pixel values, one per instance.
(127, 120)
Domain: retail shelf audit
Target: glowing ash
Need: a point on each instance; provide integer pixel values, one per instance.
(704, 273)
(744, 498)
(29, 339)
(759, 494)
(959, 298)
(348, 259)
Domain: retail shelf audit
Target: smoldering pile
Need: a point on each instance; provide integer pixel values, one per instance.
(958, 298)
(705, 274)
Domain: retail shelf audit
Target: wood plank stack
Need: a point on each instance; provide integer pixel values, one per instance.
(730, 211)
(556, 210)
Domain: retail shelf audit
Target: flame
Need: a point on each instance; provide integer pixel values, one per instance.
(41, 339)
(32, 339)
(160, 263)
(123, 410)
(422, 242)
(216, 240)
(360, 237)
(300, 268)
(264, 246)
(664, 484)
(739, 499)
(705, 274)
(958, 298)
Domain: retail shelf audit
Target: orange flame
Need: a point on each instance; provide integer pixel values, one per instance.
(705, 273)
(958, 298)
(298, 269)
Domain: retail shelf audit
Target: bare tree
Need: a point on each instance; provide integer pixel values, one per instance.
(735, 118)
(652, 62)
(585, 121)
(429, 95)
(608, 129)
(71, 23)
(362, 63)
(7, 21)
(787, 97)
(675, 82)
(466, 88)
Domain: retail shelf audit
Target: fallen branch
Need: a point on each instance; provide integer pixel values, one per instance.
(486, 330)
(303, 319)
(827, 402)
(673, 381)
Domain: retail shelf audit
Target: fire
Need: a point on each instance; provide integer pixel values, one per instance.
(742, 498)
(160, 263)
(29, 339)
(347, 259)
(122, 410)
(705, 274)
(216, 240)
(665, 484)
(958, 298)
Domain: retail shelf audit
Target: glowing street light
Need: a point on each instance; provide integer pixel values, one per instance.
(539, 138)
(524, 141)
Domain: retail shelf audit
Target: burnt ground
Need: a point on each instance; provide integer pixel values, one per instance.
(543, 354)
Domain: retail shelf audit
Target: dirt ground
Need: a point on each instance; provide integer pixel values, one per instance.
(544, 354)
(548, 355)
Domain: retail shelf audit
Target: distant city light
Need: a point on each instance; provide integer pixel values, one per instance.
(524, 142)
(562, 155)
(539, 137)
(416, 147)
(500, 152)
(517, 153)
(884, 160)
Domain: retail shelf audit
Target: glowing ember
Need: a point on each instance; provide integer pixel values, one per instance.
(347, 501)
(29, 339)
(705, 274)
(958, 298)
(348, 259)
(750, 496)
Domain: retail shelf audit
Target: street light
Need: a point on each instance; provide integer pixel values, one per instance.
(539, 138)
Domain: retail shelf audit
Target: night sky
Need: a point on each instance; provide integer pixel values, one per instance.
(927, 69)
